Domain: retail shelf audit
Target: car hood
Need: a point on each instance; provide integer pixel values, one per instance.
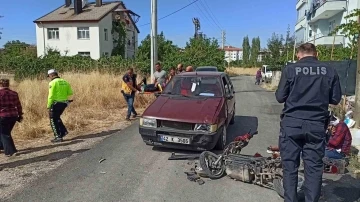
(196, 110)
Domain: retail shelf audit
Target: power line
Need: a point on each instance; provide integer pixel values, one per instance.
(206, 10)
(212, 14)
(172, 13)
(203, 14)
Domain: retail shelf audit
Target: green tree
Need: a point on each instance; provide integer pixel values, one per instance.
(351, 30)
(204, 52)
(15, 47)
(275, 46)
(288, 46)
(246, 51)
(168, 53)
(255, 48)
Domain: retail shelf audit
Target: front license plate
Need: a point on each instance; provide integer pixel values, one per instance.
(174, 139)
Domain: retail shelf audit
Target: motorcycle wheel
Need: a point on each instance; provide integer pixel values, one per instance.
(278, 186)
(206, 160)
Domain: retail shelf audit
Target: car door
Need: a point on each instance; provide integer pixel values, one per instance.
(227, 99)
(232, 101)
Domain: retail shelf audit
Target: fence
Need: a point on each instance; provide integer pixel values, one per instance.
(347, 74)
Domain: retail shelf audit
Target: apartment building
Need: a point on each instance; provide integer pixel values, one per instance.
(233, 53)
(79, 27)
(316, 20)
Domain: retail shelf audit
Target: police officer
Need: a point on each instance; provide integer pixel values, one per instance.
(306, 88)
(58, 100)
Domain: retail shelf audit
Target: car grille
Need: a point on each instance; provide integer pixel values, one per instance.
(177, 125)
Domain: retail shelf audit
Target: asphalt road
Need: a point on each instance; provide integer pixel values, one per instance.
(133, 171)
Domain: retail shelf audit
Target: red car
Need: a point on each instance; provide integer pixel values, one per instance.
(192, 113)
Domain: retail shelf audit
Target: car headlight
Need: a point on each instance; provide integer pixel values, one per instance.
(205, 127)
(148, 122)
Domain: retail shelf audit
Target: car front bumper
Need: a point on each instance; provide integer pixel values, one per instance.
(199, 141)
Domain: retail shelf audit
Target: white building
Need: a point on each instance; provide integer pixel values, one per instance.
(316, 19)
(85, 28)
(233, 53)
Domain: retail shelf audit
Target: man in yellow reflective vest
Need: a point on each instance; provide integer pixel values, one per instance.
(128, 89)
(58, 99)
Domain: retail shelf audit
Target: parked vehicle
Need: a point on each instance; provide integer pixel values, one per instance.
(207, 68)
(192, 113)
(266, 73)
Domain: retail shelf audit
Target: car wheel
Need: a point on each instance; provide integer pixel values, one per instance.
(220, 145)
(232, 121)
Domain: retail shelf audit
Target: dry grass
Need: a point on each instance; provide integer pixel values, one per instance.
(269, 87)
(98, 102)
(236, 71)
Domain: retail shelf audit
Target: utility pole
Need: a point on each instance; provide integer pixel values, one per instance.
(223, 39)
(154, 48)
(1, 27)
(357, 86)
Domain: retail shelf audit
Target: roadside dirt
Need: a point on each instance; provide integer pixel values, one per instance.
(39, 156)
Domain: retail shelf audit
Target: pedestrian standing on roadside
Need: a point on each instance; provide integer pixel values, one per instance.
(306, 88)
(10, 112)
(189, 69)
(180, 68)
(258, 77)
(128, 89)
(58, 99)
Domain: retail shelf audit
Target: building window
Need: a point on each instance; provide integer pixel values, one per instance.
(83, 33)
(53, 33)
(331, 26)
(106, 34)
(85, 54)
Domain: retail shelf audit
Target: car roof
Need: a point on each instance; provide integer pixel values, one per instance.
(212, 67)
(215, 74)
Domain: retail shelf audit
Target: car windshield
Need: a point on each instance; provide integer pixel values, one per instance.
(197, 86)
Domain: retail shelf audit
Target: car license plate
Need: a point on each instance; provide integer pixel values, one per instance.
(174, 139)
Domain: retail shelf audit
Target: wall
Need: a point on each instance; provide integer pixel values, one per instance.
(68, 43)
(106, 46)
(275, 78)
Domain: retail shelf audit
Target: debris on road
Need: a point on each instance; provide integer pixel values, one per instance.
(194, 177)
(103, 172)
(101, 160)
(183, 156)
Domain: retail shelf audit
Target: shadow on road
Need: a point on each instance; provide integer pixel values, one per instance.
(345, 189)
(251, 91)
(36, 149)
(50, 157)
(243, 124)
(101, 134)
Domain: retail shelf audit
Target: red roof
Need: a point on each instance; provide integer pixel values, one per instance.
(231, 48)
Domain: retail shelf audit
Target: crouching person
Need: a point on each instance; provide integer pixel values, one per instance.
(10, 112)
(340, 140)
(58, 99)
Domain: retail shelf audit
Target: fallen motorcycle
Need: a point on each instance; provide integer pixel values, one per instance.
(262, 171)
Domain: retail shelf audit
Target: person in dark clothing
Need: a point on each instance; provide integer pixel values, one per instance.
(10, 112)
(306, 88)
(128, 89)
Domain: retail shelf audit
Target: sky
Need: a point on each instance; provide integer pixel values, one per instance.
(237, 17)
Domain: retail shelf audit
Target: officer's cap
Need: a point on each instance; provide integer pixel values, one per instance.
(51, 71)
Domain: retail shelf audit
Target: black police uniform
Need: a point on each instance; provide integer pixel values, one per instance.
(307, 88)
